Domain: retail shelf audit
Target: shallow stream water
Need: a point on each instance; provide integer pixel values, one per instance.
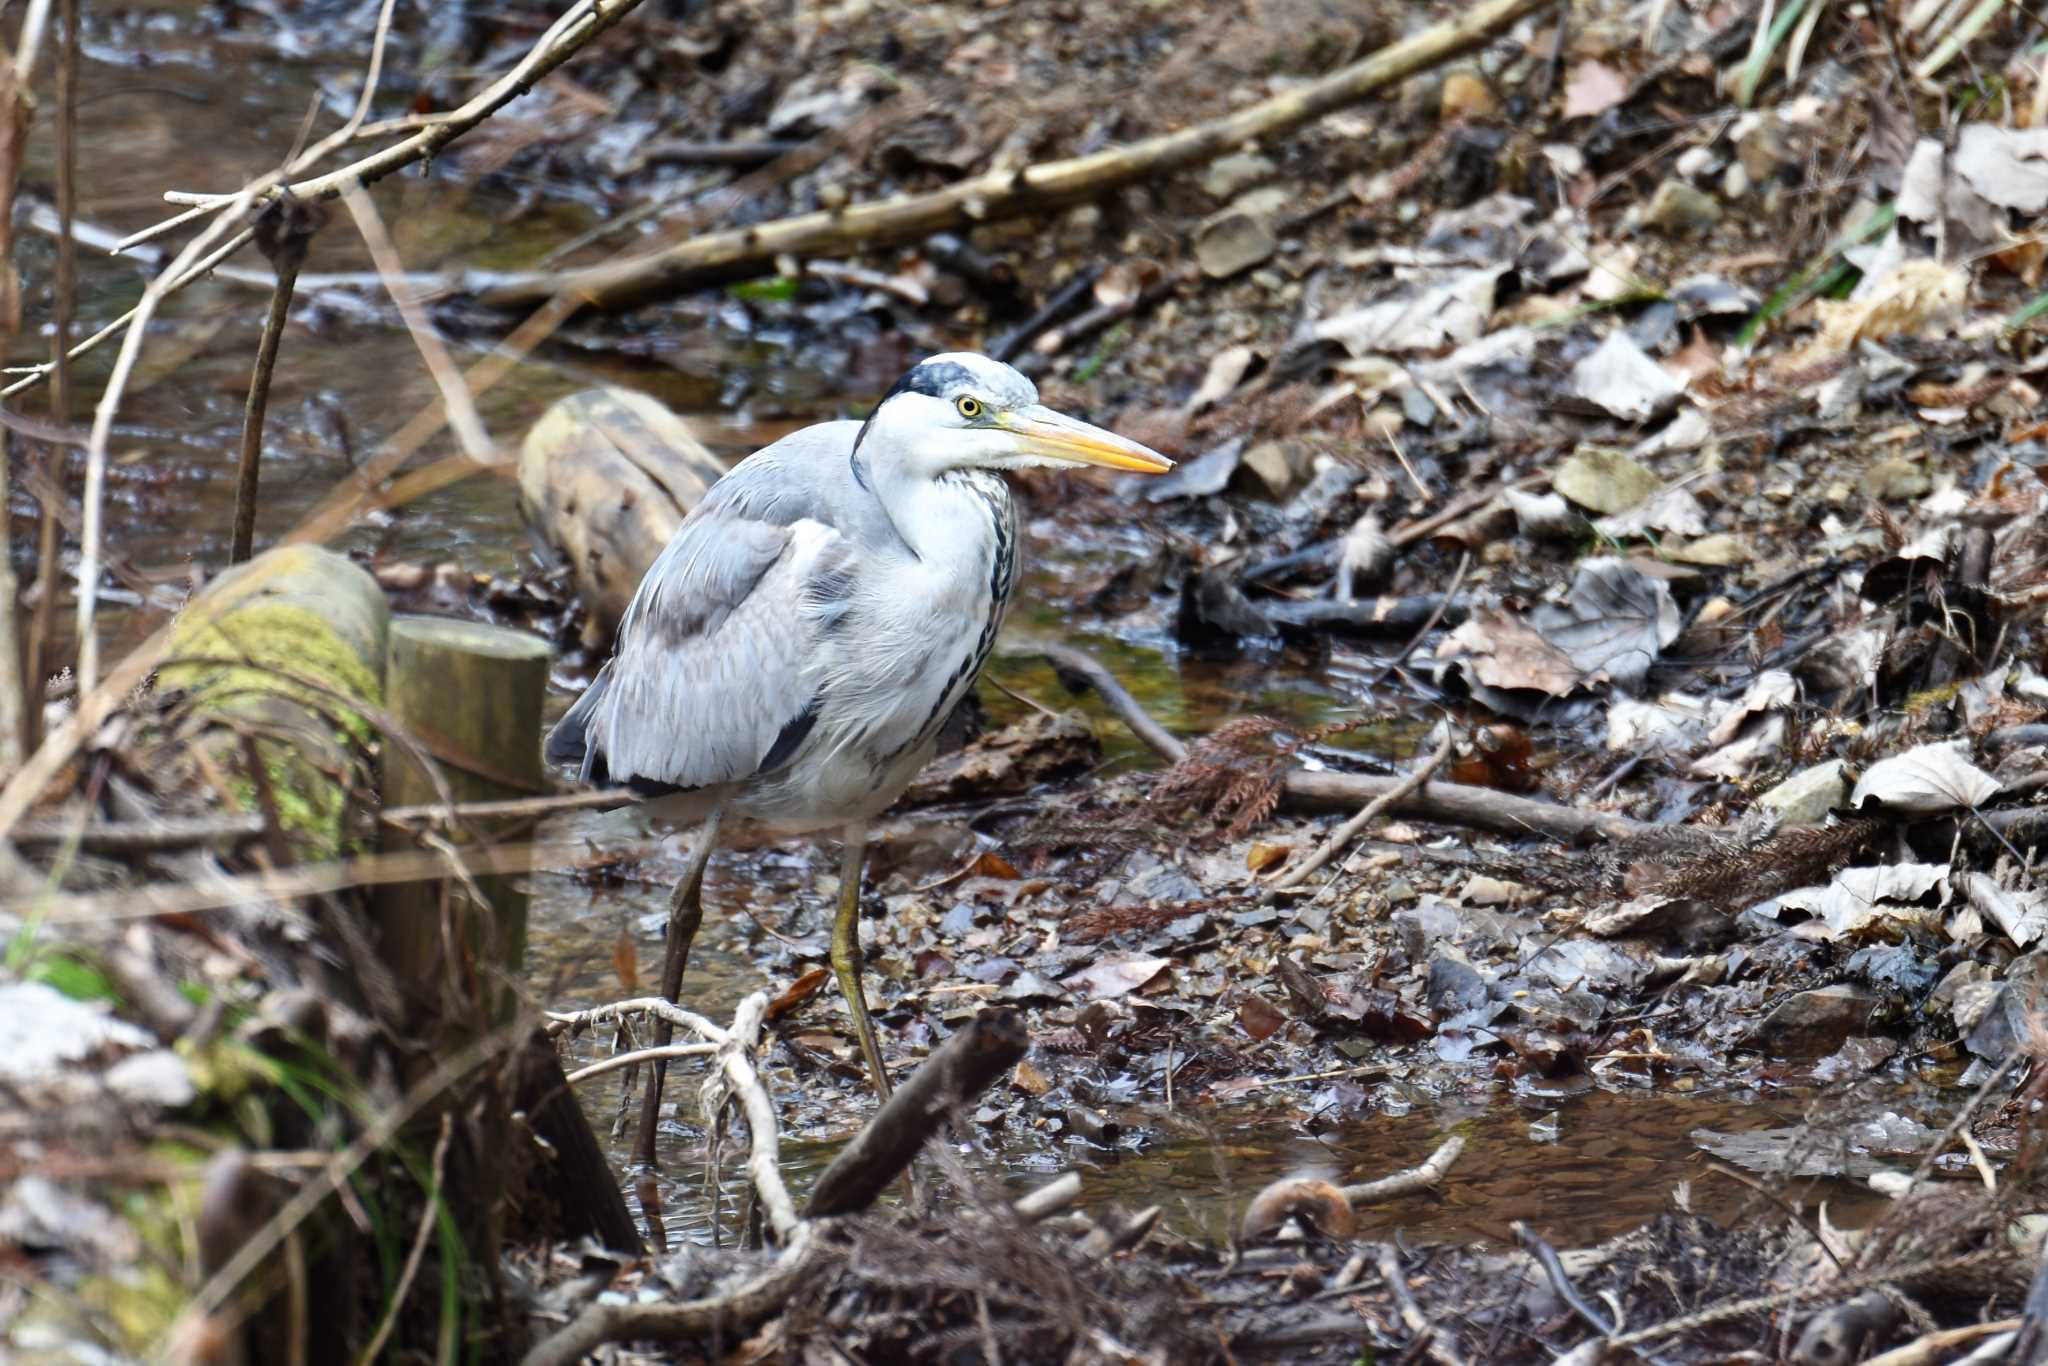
(173, 105)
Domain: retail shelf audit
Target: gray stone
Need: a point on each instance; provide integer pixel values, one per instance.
(1807, 796)
(1422, 925)
(1814, 1023)
(1228, 176)
(1454, 984)
(1678, 208)
(1233, 241)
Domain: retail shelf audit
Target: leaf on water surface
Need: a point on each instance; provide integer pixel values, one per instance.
(1927, 779)
(799, 991)
(1116, 977)
(1613, 623)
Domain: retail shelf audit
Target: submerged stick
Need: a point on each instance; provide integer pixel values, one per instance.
(963, 1067)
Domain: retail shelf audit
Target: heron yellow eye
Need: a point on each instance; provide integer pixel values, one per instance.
(970, 408)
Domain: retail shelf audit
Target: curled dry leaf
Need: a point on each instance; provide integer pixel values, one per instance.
(1113, 978)
(1593, 88)
(1318, 1205)
(799, 991)
(1929, 778)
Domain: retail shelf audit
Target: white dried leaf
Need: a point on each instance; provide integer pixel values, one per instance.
(2008, 166)
(2022, 913)
(1620, 378)
(1926, 779)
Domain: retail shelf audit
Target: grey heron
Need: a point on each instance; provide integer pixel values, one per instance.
(790, 656)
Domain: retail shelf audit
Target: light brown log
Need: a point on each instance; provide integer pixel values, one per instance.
(1002, 194)
(606, 476)
(470, 695)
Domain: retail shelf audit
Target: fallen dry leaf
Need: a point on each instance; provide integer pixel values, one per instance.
(1108, 980)
(1259, 1017)
(626, 962)
(799, 991)
(1263, 855)
(1593, 88)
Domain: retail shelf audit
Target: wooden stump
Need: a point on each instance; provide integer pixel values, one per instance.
(606, 476)
(469, 696)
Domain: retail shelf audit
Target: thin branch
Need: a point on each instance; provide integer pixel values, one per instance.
(291, 254)
(1427, 1176)
(1373, 810)
(736, 1061)
(638, 1056)
(456, 400)
(571, 1021)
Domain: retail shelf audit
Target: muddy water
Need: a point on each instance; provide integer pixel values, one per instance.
(198, 113)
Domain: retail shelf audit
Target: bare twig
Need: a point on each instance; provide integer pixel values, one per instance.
(1080, 667)
(753, 1299)
(736, 1061)
(1373, 810)
(1412, 1317)
(638, 1056)
(288, 255)
(570, 1022)
(456, 399)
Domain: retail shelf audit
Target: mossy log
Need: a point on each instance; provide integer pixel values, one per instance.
(281, 661)
(606, 476)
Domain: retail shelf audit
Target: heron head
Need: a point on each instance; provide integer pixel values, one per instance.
(964, 411)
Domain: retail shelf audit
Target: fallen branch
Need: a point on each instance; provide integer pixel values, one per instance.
(963, 1067)
(1005, 193)
(1428, 1176)
(1372, 811)
(736, 1061)
(1480, 808)
(638, 1056)
(751, 1300)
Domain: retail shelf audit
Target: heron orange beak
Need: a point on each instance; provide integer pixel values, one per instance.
(1054, 436)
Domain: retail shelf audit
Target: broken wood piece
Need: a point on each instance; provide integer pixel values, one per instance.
(606, 476)
(959, 1070)
(1048, 1199)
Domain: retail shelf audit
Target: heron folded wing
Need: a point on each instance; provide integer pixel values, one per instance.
(712, 679)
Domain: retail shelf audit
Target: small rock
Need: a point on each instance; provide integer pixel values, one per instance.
(1677, 207)
(1232, 175)
(1734, 182)
(1422, 925)
(1481, 890)
(1718, 551)
(1234, 241)
(1814, 1023)
(1807, 796)
(1895, 481)
(1763, 151)
(1604, 479)
(1454, 984)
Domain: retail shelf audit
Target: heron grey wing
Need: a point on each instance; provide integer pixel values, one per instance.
(713, 680)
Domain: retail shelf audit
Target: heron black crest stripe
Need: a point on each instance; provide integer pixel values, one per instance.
(934, 379)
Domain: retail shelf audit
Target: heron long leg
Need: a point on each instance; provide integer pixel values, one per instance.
(846, 954)
(685, 914)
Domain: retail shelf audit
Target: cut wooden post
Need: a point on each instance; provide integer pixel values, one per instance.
(470, 696)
